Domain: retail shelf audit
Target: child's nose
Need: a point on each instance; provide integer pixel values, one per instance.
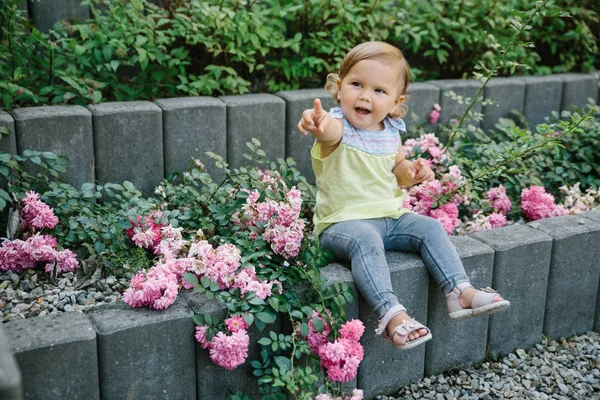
(365, 97)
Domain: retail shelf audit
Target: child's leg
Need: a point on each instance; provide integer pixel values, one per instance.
(425, 235)
(361, 242)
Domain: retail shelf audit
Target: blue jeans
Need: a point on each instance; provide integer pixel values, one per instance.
(364, 243)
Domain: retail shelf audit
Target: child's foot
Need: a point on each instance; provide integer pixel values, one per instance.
(465, 302)
(398, 320)
(401, 330)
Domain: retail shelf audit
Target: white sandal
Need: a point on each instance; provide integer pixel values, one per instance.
(482, 304)
(404, 329)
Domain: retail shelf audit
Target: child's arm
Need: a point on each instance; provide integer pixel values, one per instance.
(326, 129)
(410, 173)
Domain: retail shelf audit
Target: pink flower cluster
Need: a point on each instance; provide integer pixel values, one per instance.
(341, 357)
(499, 200)
(222, 265)
(145, 232)
(357, 394)
(427, 146)
(36, 213)
(283, 227)
(482, 222)
(228, 351)
(422, 199)
(16, 255)
(434, 116)
(537, 204)
(158, 287)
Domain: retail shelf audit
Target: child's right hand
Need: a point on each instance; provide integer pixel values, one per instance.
(314, 120)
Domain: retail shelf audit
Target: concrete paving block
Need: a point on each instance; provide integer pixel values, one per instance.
(8, 144)
(64, 130)
(521, 267)
(451, 108)
(384, 368)
(542, 96)
(457, 343)
(420, 99)
(213, 381)
(45, 13)
(508, 94)
(574, 273)
(57, 356)
(145, 353)
(10, 374)
(594, 215)
(128, 143)
(193, 126)
(577, 89)
(297, 146)
(260, 116)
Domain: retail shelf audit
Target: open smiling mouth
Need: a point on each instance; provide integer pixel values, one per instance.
(362, 111)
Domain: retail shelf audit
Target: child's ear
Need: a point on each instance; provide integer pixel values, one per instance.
(338, 82)
(397, 103)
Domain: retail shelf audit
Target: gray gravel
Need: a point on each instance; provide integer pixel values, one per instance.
(34, 292)
(563, 370)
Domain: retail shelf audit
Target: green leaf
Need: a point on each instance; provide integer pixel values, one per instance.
(304, 329)
(191, 278)
(318, 324)
(199, 320)
(266, 317)
(265, 341)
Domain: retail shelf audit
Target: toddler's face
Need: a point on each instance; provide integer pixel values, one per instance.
(369, 92)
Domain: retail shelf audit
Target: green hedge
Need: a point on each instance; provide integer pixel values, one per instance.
(137, 50)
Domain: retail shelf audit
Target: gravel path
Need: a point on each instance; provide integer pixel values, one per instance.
(551, 370)
(562, 370)
(34, 293)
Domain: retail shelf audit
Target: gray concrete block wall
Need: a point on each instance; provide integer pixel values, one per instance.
(64, 130)
(260, 116)
(508, 95)
(573, 280)
(11, 386)
(213, 381)
(144, 353)
(595, 216)
(385, 369)
(521, 267)
(420, 98)
(451, 108)
(193, 126)
(45, 13)
(577, 89)
(8, 144)
(298, 146)
(57, 356)
(543, 95)
(128, 143)
(456, 343)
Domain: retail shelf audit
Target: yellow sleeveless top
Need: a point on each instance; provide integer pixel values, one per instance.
(356, 181)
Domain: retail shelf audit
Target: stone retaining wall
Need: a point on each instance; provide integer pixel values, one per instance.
(154, 139)
(548, 269)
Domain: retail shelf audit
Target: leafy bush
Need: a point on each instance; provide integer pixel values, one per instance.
(137, 50)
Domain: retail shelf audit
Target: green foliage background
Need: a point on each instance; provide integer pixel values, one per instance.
(137, 50)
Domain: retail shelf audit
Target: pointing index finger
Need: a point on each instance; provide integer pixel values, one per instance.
(318, 107)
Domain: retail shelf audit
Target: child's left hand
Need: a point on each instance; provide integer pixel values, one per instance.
(419, 171)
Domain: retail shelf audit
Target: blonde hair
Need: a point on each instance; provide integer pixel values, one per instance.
(372, 51)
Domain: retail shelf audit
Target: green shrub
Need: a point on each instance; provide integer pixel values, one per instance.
(137, 50)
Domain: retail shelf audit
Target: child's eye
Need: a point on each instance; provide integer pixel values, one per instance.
(357, 84)
(380, 91)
